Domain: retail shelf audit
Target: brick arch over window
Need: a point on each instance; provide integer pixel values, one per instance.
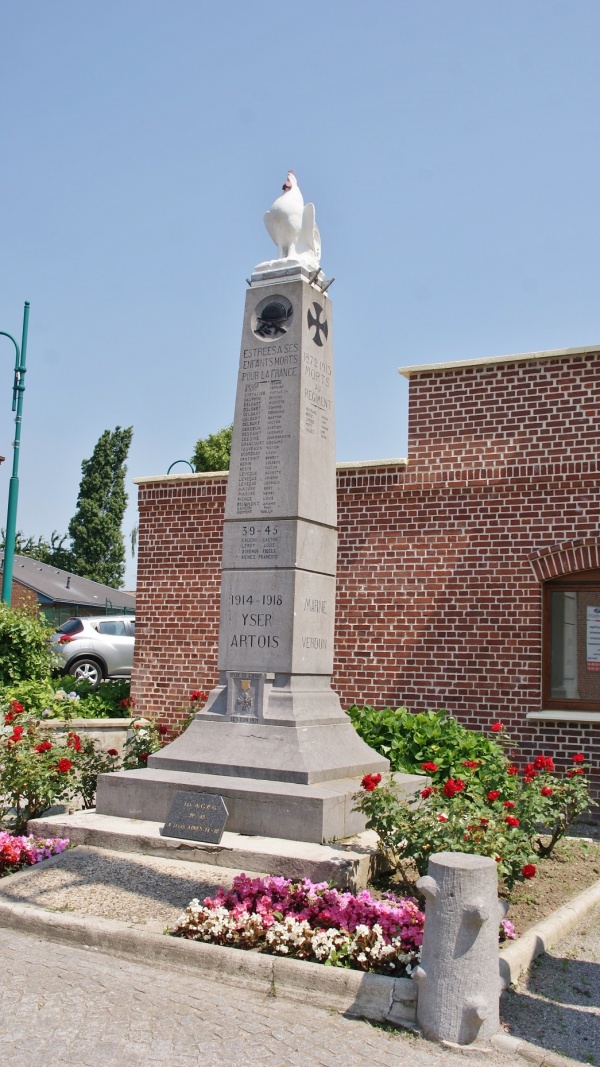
(568, 558)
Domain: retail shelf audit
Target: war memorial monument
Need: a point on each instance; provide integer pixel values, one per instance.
(273, 740)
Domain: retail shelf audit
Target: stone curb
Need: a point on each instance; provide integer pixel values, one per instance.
(514, 1046)
(370, 996)
(518, 956)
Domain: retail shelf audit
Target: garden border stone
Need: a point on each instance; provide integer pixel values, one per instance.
(519, 955)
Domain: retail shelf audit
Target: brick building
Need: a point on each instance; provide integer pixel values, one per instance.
(468, 574)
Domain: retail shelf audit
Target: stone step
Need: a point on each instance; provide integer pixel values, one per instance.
(348, 864)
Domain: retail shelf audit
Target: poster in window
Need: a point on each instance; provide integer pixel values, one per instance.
(593, 638)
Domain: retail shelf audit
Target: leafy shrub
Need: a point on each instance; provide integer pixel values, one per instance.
(48, 700)
(92, 761)
(462, 814)
(145, 738)
(35, 696)
(111, 700)
(408, 740)
(25, 652)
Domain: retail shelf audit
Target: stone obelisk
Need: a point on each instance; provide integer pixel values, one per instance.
(273, 738)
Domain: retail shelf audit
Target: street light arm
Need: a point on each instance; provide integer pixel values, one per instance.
(19, 370)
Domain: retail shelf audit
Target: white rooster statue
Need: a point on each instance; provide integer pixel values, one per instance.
(291, 224)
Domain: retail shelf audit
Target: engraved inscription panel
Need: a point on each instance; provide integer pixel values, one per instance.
(196, 817)
(279, 543)
(266, 407)
(280, 621)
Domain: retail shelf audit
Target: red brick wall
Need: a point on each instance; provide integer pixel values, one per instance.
(22, 597)
(177, 599)
(439, 563)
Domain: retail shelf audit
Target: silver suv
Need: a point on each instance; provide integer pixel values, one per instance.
(95, 647)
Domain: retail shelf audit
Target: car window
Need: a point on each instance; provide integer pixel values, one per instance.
(71, 626)
(112, 627)
(131, 625)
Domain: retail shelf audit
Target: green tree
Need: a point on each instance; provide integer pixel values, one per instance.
(52, 551)
(213, 453)
(98, 548)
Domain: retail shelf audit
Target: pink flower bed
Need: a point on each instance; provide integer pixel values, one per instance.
(308, 920)
(17, 852)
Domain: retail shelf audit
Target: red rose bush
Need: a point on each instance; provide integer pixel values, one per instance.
(515, 817)
(37, 771)
(310, 921)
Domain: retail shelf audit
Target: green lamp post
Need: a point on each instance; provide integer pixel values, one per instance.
(13, 491)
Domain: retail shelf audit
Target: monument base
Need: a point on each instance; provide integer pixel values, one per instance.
(320, 812)
(303, 754)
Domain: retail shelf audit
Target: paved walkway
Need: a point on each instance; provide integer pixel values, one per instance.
(73, 1007)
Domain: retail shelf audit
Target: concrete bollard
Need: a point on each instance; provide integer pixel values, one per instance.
(458, 983)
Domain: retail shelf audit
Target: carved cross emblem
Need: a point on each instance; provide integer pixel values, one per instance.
(320, 327)
(244, 701)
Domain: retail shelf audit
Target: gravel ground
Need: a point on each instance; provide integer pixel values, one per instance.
(557, 1004)
(141, 890)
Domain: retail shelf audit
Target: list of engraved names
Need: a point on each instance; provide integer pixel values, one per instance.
(264, 374)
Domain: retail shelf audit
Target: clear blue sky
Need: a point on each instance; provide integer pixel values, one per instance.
(450, 146)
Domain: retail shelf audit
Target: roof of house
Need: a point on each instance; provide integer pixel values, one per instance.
(61, 587)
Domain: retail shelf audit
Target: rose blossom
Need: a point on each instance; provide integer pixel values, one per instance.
(578, 757)
(509, 803)
(493, 795)
(112, 752)
(513, 769)
(430, 767)
(528, 871)
(74, 742)
(44, 746)
(511, 821)
(370, 782)
(64, 765)
(453, 786)
(546, 791)
(496, 727)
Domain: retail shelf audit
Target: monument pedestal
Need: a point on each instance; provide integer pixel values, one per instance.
(273, 739)
(319, 812)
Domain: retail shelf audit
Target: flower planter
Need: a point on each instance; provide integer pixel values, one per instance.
(109, 733)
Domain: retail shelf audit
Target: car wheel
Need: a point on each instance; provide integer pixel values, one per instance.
(88, 670)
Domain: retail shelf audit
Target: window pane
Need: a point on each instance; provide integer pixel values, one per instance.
(564, 645)
(575, 644)
(115, 629)
(71, 626)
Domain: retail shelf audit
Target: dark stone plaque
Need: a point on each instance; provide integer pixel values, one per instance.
(196, 817)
